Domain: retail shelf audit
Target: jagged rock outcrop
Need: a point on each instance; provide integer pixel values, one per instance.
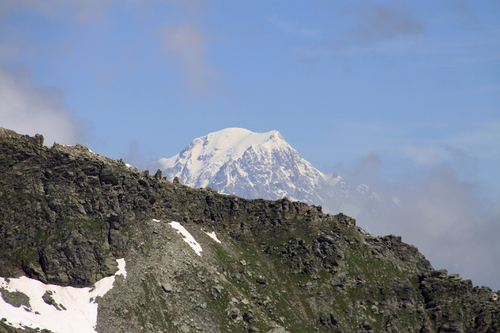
(66, 214)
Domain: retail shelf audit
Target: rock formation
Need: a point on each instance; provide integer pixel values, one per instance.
(67, 214)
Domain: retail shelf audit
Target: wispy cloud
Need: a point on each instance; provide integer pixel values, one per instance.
(448, 221)
(482, 139)
(293, 29)
(440, 212)
(380, 23)
(138, 157)
(10, 48)
(29, 109)
(446, 208)
(81, 10)
(365, 29)
(432, 154)
(187, 46)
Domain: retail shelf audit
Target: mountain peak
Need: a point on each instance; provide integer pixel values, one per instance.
(233, 158)
(235, 141)
(203, 158)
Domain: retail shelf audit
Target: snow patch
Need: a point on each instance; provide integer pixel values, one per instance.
(213, 236)
(121, 267)
(72, 309)
(188, 238)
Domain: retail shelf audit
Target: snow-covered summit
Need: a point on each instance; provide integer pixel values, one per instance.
(206, 155)
(238, 161)
(262, 165)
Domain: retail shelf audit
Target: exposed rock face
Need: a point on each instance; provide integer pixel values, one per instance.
(282, 266)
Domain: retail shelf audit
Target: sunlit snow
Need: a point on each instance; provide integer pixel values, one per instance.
(77, 306)
(212, 235)
(188, 238)
(238, 161)
(206, 155)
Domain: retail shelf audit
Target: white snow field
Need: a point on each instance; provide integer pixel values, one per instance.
(77, 306)
(188, 238)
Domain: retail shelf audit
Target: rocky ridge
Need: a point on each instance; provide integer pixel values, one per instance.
(67, 214)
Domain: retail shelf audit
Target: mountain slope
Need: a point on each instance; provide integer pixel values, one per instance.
(193, 260)
(263, 165)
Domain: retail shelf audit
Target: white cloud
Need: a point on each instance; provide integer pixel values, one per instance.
(452, 226)
(29, 109)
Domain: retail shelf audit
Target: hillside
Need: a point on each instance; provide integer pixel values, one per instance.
(178, 259)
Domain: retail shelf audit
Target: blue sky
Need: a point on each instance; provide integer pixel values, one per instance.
(394, 94)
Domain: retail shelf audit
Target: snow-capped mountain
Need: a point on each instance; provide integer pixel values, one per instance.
(262, 165)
